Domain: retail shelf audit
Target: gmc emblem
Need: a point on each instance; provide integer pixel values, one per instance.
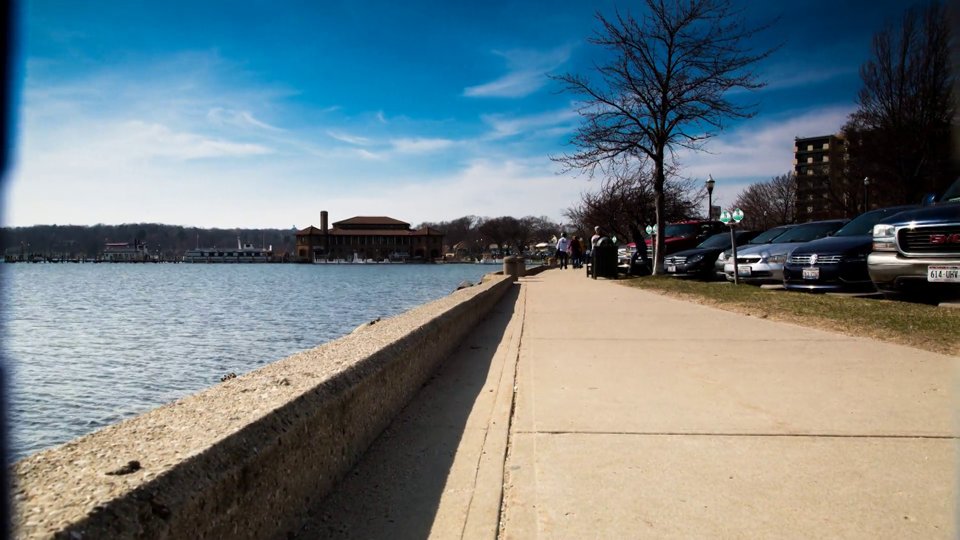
(938, 239)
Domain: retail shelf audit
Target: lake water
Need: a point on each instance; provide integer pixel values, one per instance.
(90, 344)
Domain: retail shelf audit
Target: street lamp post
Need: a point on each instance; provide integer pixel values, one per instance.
(710, 182)
(866, 193)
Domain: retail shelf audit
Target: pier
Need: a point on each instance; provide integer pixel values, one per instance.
(552, 406)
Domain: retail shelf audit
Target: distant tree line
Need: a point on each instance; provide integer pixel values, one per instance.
(473, 235)
(167, 241)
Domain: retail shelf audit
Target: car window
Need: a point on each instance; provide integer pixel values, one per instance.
(721, 240)
(952, 193)
(766, 236)
(862, 225)
(681, 229)
(808, 232)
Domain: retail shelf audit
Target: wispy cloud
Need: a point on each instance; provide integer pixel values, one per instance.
(232, 117)
(349, 139)
(156, 140)
(476, 189)
(547, 123)
(418, 145)
(366, 154)
(527, 73)
(793, 76)
(381, 117)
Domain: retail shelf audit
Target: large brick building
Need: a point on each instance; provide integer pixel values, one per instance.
(816, 163)
(364, 238)
(826, 188)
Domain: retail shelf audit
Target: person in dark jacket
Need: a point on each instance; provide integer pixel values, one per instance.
(576, 252)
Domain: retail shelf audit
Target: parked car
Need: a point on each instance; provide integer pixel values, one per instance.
(918, 252)
(699, 261)
(837, 262)
(685, 235)
(766, 237)
(764, 263)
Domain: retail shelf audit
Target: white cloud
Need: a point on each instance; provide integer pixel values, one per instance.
(381, 117)
(790, 76)
(527, 73)
(550, 122)
(137, 139)
(221, 116)
(418, 145)
(366, 154)
(350, 139)
(484, 187)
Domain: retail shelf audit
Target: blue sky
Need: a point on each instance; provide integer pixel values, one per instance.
(264, 113)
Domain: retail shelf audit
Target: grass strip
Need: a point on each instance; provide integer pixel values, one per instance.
(922, 326)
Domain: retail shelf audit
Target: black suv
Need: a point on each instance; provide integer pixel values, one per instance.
(699, 261)
(837, 262)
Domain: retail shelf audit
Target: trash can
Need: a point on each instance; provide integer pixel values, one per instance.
(605, 260)
(514, 266)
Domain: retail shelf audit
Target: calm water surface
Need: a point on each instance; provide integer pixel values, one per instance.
(91, 344)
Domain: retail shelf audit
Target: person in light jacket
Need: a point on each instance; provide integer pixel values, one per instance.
(562, 246)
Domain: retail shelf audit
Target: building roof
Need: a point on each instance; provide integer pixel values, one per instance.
(371, 220)
(311, 230)
(370, 232)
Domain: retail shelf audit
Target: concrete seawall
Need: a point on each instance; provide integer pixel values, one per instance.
(245, 458)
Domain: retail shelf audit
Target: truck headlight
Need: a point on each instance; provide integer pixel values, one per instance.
(884, 237)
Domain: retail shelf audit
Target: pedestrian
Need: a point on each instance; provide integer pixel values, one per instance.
(562, 245)
(596, 236)
(576, 252)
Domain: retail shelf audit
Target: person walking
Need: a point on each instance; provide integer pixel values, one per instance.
(576, 252)
(562, 246)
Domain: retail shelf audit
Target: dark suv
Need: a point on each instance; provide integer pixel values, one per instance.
(699, 262)
(919, 250)
(837, 262)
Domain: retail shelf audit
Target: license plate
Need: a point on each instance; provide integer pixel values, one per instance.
(943, 274)
(811, 273)
(671, 269)
(744, 270)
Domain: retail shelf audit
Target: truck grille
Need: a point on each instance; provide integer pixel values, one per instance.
(821, 259)
(937, 239)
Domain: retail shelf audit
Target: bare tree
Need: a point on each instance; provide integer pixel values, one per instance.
(626, 203)
(665, 87)
(900, 135)
(768, 204)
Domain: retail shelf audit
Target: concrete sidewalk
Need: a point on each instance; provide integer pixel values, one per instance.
(643, 416)
(640, 416)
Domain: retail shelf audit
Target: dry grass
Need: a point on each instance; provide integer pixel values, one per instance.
(917, 325)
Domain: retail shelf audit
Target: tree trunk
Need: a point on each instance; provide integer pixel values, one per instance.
(658, 182)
